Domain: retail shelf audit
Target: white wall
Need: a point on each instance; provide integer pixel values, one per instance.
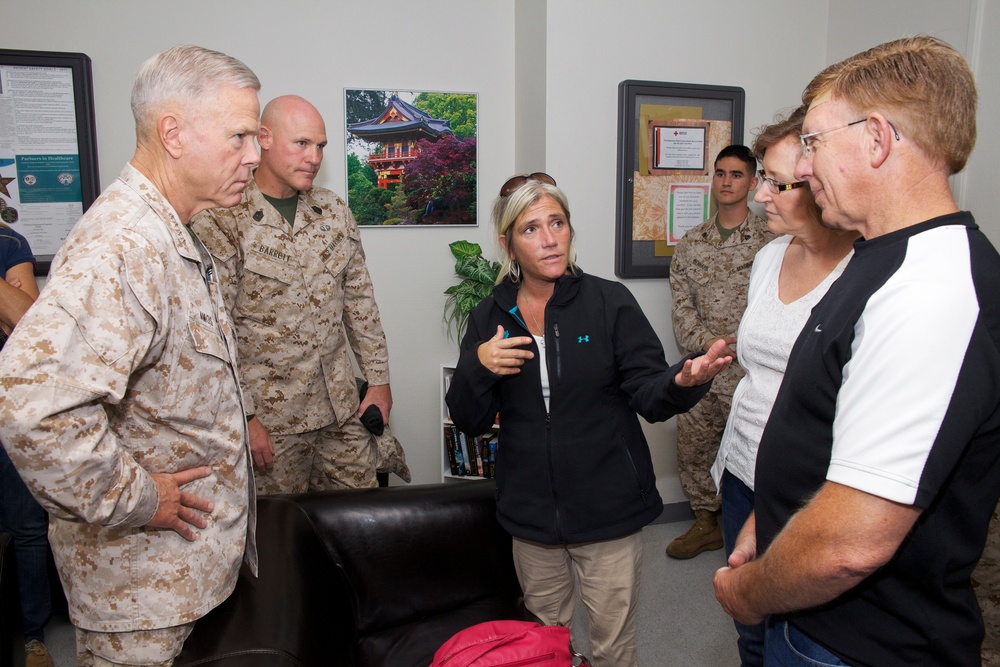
(316, 48)
(971, 26)
(575, 59)
(591, 50)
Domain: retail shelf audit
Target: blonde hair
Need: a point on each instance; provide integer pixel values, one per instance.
(507, 210)
(923, 85)
(183, 73)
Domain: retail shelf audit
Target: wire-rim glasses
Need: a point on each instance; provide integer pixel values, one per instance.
(777, 186)
(515, 182)
(808, 140)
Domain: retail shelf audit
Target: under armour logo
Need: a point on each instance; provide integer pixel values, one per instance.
(583, 339)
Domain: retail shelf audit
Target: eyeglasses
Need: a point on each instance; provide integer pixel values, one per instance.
(515, 182)
(777, 186)
(809, 139)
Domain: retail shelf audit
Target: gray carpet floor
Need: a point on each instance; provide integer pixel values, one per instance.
(680, 623)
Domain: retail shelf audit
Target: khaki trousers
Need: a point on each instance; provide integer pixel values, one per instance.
(148, 648)
(607, 575)
(333, 457)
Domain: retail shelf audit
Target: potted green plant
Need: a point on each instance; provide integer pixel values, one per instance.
(478, 276)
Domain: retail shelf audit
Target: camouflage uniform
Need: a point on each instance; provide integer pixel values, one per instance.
(709, 279)
(293, 292)
(986, 583)
(125, 366)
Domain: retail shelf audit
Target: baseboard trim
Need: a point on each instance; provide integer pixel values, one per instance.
(673, 512)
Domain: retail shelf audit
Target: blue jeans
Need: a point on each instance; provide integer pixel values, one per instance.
(28, 525)
(737, 504)
(789, 647)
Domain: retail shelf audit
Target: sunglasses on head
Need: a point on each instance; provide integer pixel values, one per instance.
(514, 182)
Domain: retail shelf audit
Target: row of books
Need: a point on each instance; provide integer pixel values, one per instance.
(471, 456)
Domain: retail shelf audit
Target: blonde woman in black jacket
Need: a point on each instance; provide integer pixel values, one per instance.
(568, 360)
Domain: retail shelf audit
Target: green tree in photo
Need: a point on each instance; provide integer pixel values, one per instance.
(366, 201)
(458, 108)
(362, 105)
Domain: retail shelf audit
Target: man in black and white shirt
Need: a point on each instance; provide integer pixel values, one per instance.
(879, 468)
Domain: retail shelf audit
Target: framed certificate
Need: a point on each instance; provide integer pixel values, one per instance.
(668, 137)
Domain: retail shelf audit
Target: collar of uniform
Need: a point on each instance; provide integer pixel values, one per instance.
(742, 233)
(142, 186)
(254, 201)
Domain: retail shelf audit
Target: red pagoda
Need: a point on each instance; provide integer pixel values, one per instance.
(396, 131)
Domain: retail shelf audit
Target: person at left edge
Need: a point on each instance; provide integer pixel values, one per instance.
(121, 407)
(567, 360)
(21, 516)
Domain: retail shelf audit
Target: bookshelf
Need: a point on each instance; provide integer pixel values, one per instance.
(450, 437)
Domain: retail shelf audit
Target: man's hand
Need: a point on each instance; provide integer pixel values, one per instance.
(744, 551)
(504, 356)
(179, 511)
(702, 369)
(261, 447)
(725, 583)
(828, 547)
(380, 395)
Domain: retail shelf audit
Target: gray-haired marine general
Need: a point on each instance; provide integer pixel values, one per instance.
(121, 407)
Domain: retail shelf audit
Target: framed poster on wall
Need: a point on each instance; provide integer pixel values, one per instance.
(668, 137)
(48, 146)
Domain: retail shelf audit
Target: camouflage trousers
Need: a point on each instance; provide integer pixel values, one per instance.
(699, 432)
(986, 584)
(149, 648)
(333, 457)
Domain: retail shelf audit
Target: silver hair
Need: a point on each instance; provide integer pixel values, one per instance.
(184, 73)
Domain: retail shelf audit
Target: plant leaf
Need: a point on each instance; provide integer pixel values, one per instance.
(478, 269)
(462, 249)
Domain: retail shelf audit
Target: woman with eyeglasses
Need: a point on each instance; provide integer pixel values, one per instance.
(789, 276)
(567, 360)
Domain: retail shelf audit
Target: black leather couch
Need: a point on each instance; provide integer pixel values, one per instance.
(364, 578)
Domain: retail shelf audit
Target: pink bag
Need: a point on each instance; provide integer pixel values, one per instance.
(508, 643)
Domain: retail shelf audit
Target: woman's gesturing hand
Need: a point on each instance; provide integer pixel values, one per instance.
(504, 356)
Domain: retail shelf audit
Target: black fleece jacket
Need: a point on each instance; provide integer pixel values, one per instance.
(581, 471)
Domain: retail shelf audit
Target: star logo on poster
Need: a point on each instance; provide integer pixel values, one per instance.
(3, 186)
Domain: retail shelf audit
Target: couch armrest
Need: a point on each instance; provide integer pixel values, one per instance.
(285, 616)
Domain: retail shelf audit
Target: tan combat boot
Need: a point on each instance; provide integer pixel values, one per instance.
(704, 535)
(36, 655)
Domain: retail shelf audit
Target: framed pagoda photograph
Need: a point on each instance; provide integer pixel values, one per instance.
(411, 157)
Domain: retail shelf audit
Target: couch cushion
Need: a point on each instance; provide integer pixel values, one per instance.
(409, 553)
